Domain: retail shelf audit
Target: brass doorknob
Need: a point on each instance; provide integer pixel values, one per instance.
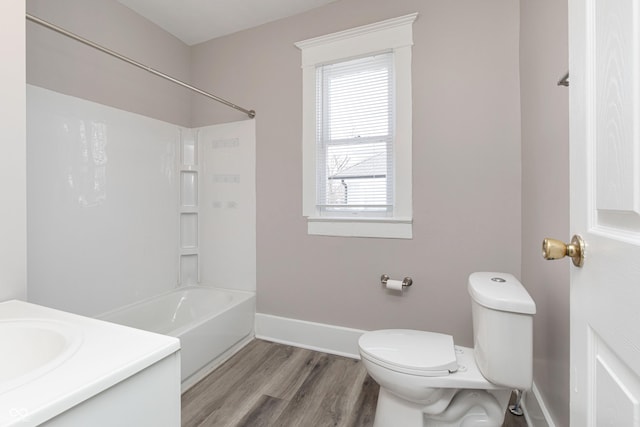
(555, 249)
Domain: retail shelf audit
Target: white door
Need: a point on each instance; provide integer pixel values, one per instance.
(605, 209)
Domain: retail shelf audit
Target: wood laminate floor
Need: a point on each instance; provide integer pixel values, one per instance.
(268, 384)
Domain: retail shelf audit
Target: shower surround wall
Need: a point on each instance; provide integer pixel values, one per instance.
(228, 205)
(217, 206)
(68, 67)
(103, 205)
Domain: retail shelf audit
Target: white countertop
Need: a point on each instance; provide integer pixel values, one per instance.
(108, 353)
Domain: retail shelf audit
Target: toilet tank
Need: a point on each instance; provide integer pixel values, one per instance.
(502, 312)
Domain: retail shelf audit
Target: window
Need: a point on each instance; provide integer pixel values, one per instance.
(354, 125)
(357, 131)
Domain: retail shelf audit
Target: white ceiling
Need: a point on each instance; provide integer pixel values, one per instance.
(195, 21)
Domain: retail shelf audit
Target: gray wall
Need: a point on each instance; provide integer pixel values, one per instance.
(545, 192)
(69, 67)
(466, 163)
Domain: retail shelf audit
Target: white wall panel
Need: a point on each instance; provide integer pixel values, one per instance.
(228, 205)
(102, 193)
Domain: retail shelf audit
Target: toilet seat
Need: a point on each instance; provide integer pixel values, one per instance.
(421, 353)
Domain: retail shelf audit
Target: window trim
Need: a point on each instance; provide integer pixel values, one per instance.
(395, 35)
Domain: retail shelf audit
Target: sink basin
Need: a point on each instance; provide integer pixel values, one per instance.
(32, 347)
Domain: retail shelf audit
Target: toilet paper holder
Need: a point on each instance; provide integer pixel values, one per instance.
(406, 282)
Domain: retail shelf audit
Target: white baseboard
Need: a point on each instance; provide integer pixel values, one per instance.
(535, 410)
(313, 336)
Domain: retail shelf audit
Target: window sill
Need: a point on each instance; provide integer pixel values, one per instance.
(385, 228)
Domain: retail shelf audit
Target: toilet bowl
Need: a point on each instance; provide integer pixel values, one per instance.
(427, 380)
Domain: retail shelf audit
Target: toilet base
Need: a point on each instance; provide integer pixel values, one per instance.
(394, 411)
(468, 408)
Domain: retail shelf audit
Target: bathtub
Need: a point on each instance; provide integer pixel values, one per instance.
(210, 323)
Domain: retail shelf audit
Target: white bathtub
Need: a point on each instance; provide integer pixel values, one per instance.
(208, 321)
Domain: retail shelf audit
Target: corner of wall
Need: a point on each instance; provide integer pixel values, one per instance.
(13, 161)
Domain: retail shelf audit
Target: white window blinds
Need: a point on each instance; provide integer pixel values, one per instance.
(355, 121)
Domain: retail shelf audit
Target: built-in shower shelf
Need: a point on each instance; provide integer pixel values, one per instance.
(188, 189)
(189, 251)
(189, 208)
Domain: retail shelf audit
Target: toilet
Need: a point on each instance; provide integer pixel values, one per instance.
(427, 380)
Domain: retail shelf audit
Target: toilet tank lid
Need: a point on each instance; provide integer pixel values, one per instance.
(500, 291)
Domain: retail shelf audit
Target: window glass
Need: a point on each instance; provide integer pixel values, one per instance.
(355, 136)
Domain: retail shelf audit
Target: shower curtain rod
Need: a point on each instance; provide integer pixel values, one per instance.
(250, 113)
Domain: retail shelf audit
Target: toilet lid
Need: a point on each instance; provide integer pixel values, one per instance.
(413, 352)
